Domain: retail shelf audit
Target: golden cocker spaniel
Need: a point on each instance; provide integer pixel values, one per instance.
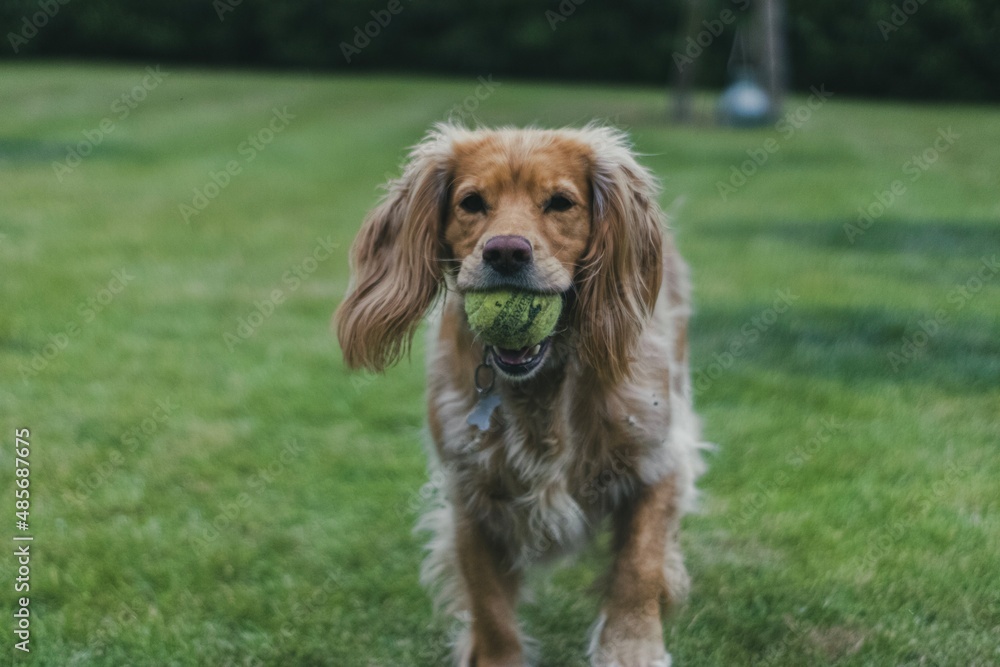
(537, 446)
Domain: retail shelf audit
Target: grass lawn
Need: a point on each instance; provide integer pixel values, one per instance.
(209, 487)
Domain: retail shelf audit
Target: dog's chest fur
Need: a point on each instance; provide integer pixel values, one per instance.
(556, 458)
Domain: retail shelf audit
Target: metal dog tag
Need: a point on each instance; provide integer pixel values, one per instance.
(480, 415)
(488, 401)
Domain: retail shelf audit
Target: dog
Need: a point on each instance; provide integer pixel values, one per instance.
(537, 448)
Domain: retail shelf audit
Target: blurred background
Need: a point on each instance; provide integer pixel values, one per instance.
(947, 50)
(179, 186)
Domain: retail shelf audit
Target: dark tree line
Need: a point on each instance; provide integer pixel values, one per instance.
(917, 49)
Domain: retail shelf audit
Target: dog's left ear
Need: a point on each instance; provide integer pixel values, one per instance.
(396, 260)
(620, 275)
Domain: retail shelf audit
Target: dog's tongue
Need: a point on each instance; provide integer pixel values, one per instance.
(512, 357)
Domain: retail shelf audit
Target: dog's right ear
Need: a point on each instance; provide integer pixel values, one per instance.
(396, 260)
(621, 273)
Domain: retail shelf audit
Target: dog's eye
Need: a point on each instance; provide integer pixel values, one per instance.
(558, 203)
(472, 203)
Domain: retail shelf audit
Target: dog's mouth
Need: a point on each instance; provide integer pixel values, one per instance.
(519, 363)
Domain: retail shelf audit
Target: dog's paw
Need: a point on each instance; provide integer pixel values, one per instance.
(632, 653)
(465, 654)
(475, 660)
(628, 643)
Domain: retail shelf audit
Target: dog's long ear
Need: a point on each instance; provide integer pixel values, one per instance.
(619, 279)
(396, 261)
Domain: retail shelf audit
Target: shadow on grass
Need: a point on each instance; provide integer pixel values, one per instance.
(866, 343)
(849, 345)
(16, 151)
(935, 240)
(20, 151)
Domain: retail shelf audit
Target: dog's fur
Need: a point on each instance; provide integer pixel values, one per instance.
(602, 426)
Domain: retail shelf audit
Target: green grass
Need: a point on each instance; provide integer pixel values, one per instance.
(850, 516)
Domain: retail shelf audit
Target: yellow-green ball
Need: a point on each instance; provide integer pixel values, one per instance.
(512, 319)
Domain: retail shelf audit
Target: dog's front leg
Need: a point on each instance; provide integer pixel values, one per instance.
(647, 572)
(492, 588)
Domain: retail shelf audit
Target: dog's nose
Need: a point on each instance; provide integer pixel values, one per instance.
(507, 254)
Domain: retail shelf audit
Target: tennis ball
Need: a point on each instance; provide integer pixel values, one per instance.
(512, 319)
